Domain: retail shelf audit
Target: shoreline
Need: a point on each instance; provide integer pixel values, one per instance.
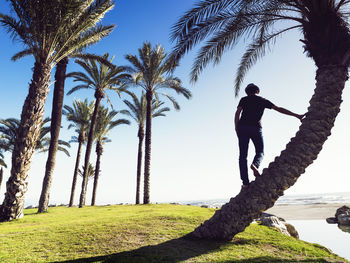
(305, 212)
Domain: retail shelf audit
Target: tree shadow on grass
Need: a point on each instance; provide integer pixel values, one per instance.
(180, 249)
(174, 250)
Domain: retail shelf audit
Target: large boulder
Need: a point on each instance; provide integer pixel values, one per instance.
(342, 216)
(279, 223)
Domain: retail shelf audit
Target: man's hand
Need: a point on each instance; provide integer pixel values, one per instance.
(301, 116)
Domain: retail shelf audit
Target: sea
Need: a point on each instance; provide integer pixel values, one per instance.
(313, 231)
(305, 199)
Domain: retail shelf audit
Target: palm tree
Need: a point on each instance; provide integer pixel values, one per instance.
(1, 175)
(2, 164)
(99, 78)
(104, 124)
(9, 135)
(40, 25)
(326, 40)
(80, 116)
(137, 111)
(89, 37)
(90, 171)
(152, 72)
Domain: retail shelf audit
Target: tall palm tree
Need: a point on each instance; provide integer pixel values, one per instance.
(152, 72)
(325, 29)
(80, 116)
(99, 78)
(105, 123)
(137, 111)
(39, 25)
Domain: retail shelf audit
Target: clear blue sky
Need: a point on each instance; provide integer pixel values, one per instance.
(194, 151)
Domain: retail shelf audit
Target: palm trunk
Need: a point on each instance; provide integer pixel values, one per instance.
(284, 171)
(1, 175)
(88, 152)
(28, 134)
(146, 190)
(76, 169)
(141, 135)
(99, 151)
(56, 118)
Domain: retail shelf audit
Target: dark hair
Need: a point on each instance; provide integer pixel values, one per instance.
(252, 89)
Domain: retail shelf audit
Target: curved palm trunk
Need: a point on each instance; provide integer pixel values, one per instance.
(141, 135)
(99, 151)
(146, 190)
(284, 171)
(88, 152)
(28, 134)
(76, 169)
(56, 118)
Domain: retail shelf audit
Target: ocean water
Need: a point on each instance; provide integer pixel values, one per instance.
(323, 198)
(327, 235)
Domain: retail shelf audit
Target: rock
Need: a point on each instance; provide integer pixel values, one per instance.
(344, 219)
(205, 206)
(342, 216)
(273, 221)
(342, 210)
(332, 220)
(292, 231)
(344, 228)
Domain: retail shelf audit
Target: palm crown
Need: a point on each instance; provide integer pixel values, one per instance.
(68, 26)
(99, 77)
(224, 22)
(137, 108)
(9, 133)
(151, 72)
(105, 123)
(79, 116)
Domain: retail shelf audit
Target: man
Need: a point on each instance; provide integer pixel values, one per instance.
(248, 127)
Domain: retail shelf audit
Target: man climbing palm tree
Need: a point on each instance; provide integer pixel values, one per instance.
(248, 127)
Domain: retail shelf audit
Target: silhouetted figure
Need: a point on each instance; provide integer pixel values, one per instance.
(248, 127)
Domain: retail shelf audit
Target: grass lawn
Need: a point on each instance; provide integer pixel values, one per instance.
(142, 233)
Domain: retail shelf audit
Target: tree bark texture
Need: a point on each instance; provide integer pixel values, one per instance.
(146, 189)
(56, 119)
(76, 169)
(88, 152)
(284, 171)
(28, 134)
(99, 151)
(1, 175)
(141, 135)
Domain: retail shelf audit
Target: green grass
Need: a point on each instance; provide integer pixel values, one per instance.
(143, 233)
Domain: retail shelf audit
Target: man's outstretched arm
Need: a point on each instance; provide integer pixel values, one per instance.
(288, 112)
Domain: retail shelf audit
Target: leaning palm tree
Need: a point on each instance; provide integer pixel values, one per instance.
(99, 78)
(137, 111)
(325, 29)
(39, 25)
(152, 72)
(80, 116)
(105, 123)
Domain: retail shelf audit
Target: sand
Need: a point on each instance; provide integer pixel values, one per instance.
(305, 212)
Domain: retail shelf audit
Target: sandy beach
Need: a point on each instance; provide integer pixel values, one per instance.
(305, 212)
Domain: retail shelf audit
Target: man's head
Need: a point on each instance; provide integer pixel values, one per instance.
(252, 89)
